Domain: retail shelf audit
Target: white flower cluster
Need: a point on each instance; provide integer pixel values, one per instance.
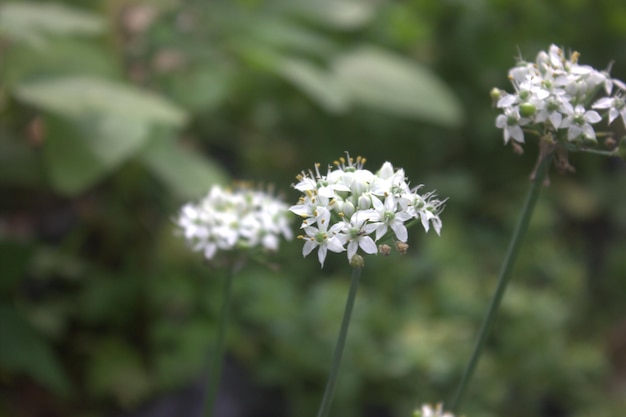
(558, 94)
(428, 411)
(242, 218)
(351, 208)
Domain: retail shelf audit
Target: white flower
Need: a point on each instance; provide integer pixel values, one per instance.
(579, 123)
(551, 96)
(356, 232)
(358, 208)
(553, 110)
(322, 238)
(228, 219)
(616, 106)
(511, 123)
(390, 217)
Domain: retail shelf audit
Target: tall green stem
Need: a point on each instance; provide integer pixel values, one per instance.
(341, 341)
(216, 366)
(503, 280)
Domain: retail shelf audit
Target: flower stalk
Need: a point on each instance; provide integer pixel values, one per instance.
(341, 342)
(505, 274)
(215, 371)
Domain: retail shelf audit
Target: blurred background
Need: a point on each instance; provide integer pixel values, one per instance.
(115, 113)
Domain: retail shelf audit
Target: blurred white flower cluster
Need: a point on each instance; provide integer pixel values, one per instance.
(239, 218)
(351, 208)
(558, 96)
(428, 411)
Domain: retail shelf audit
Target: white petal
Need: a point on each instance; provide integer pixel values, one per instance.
(353, 246)
(592, 116)
(380, 231)
(555, 119)
(334, 244)
(367, 244)
(603, 103)
(321, 255)
(309, 245)
(589, 132)
(517, 133)
(400, 231)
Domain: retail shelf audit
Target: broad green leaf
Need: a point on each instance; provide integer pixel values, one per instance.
(62, 57)
(282, 35)
(34, 22)
(85, 96)
(186, 173)
(338, 14)
(23, 350)
(320, 86)
(392, 84)
(203, 88)
(78, 153)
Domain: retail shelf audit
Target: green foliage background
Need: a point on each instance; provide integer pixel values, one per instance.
(114, 113)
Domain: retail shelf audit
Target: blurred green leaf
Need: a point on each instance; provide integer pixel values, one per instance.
(321, 87)
(79, 154)
(81, 96)
(19, 162)
(23, 350)
(186, 173)
(62, 57)
(338, 14)
(116, 371)
(392, 84)
(202, 89)
(283, 35)
(33, 22)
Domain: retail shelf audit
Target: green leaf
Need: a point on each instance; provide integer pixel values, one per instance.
(320, 86)
(77, 155)
(116, 371)
(33, 22)
(61, 57)
(84, 96)
(281, 35)
(338, 14)
(203, 88)
(188, 174)
(392, 84)
(23, 350)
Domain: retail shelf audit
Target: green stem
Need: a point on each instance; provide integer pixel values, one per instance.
(503, 280)
(216, 366)
(341, 341)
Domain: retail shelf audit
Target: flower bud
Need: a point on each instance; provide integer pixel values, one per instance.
(402, 247)
(527, 109)
(384, 249)
(357, 261)
(348, 209)
(365, 202)
(495, 94)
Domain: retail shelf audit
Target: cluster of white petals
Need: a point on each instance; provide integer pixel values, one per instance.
(558, 95)
(428, 411)
(240, 218)
(351, 208)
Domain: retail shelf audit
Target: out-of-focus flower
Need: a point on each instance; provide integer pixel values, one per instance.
(428, 411)
(351, 208)
(553, 98)
(238, 218)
